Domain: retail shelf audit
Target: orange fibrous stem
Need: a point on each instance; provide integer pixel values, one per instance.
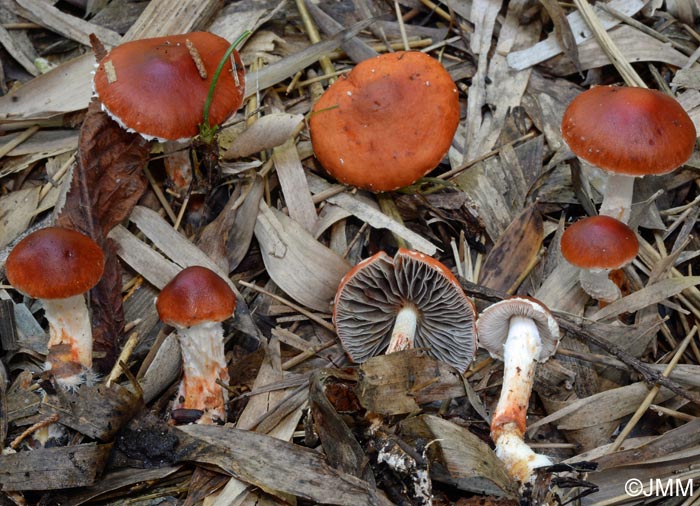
(203, 363)
(70, 338)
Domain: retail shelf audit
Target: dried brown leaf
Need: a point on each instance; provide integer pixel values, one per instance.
(106, 184)
(399, 382)
(562, 30)
(53, 468)
(342, 449)
(460, 458)
(304, 268)
(549, 47)
(287, 469)
(600, 408)
(652, 294)
(97, 411)
(16, 213)
(268, 132)
(515, 252)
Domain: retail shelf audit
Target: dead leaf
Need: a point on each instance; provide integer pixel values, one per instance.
(287, 469)
(267, 132)
(287, 249)
(515, 252)
(107, 182)
(53, 468)
(562, 30)
(652, 294)
(400, 382)
(460, 458)
(16, 213)
(343, 451)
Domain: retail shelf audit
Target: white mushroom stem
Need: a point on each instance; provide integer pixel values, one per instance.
(597, 284)
(404, 331)
(203, 363)
(520, 353)
(617, 198)
(70, 340)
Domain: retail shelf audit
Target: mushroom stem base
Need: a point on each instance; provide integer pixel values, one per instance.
(404, 332)
(70, 340)
(519, 458)
(597, 284)
(203, 363)
(617, 200)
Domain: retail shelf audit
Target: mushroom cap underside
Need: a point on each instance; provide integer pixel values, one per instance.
(372, 293)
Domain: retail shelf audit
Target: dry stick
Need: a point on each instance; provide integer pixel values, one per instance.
(413, 43)
(181, 214)
(570, 325)
(290, 304)
(402, 26)
(314, 35)
(56, 177)
(31, 430)
(642, 27)
(608, 46)
(672, 412)
(301, 357)
(159, 195)
(126, 352)
(464, 166)
(652, 394)
(650, 256)
(151, 355)
(6, 148)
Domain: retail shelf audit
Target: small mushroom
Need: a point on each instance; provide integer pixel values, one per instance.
(387, 123)
(389, 304)
(195, 302)
(598, 245)
(157, 87)
(57, 266)
(628, 132)
(520, 331)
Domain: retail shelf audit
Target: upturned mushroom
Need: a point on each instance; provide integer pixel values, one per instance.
(195, 302)
(520, 331)
(387, 123)
(598, 245)
(628, 132)
(158, 87)
(389, 304)
(57, 266)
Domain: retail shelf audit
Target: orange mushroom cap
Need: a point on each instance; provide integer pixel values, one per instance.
(388, 123)
(626, 130)
(196, 295)
(154, 87)
(599, 242)
(55, 263)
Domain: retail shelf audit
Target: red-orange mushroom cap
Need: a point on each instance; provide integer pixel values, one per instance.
(597, 245)
(55, 263)
(386, 124)
(628, 130)
(599, 242)
(156, 88)
(195, 295)
(58, 265)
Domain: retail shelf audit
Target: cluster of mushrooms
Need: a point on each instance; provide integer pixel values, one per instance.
(386, 304)
(58, 266)
(383, 304)
(629, 133)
